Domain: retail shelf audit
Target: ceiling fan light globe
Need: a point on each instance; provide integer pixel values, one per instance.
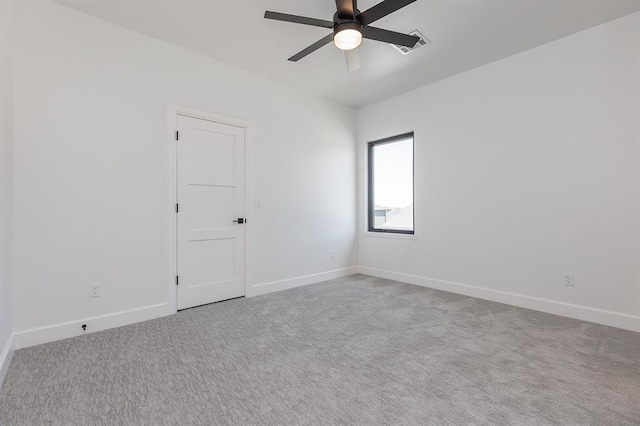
(347, 39)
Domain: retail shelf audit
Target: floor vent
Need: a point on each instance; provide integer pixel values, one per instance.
(406, 50)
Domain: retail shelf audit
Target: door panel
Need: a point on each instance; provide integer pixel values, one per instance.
(202, 270)
(211, 195)
(207, 159)
(216, 204)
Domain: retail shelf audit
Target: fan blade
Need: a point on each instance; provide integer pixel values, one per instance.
(298, 19)
(381, 10)
(346, 8)
(315, 46)
(387, 36)
(353, 59)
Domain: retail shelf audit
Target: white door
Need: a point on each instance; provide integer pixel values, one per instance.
(211, 196)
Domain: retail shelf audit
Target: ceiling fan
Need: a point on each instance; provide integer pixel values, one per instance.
(350, 26)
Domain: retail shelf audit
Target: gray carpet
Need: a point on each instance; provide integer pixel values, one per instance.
(357, 350)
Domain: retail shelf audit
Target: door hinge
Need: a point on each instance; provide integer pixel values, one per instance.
(177, 280)
(177, 135)
(177, 208)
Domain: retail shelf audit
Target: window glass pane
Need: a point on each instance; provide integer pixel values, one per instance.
(392, 183)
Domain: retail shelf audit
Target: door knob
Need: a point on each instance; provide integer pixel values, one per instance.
(240, 220)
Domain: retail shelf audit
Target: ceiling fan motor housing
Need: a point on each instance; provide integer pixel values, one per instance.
(345, 17)
(346, 25)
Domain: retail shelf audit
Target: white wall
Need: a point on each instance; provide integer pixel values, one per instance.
(526, 169)
(90, 158)
(6, 167)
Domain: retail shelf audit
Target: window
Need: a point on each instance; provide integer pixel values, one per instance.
(391, 185)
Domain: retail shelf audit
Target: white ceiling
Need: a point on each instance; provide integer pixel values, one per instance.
(464, 34)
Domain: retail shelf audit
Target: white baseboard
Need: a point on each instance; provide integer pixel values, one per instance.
(40, 335)
(5, 358)
(37, 336)
(270, 287)
(613, 319)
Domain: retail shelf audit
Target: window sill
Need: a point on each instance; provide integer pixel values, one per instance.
(390, 235)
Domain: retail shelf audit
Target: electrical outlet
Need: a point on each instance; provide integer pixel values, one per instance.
(333, 254)
(94, 290)
(569, 280)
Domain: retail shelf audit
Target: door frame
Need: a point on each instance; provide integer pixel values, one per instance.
(173, 111)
